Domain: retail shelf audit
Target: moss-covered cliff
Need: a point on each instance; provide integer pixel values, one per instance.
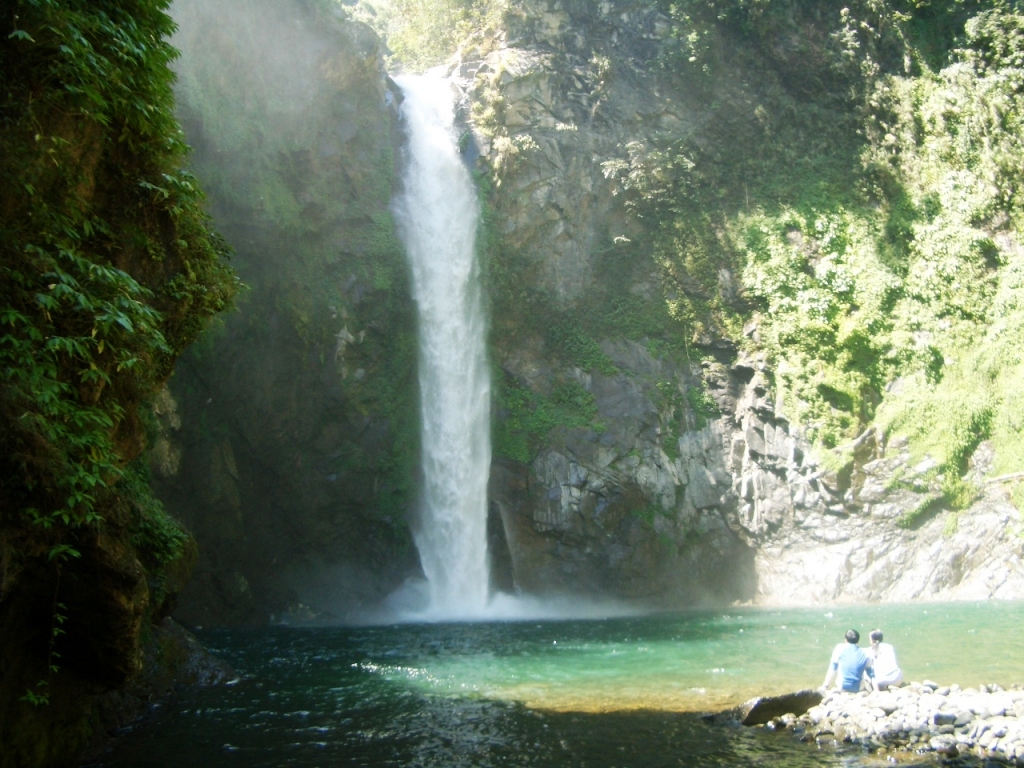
(837, 178)
(108, 270)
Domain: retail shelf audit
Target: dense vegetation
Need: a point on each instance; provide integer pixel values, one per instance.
(108, 270)
(108, 266)
(423, 33)
(879, 249)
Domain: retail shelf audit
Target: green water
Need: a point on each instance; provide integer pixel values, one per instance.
(615, 692)
(711, 661)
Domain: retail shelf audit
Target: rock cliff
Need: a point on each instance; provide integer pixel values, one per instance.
(691, 481)
(289, 437)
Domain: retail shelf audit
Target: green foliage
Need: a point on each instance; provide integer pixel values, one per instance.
(576, 347)
(650, 513)
(880, 268)
(703, 406)
(525, 418)
(1017, 496)
(861, 37)
(39, 694)
(636, 318)
(791, 153)
(994, 39)
(925, 510)
(108, 268)
(424, 33)
(955, 139)
(157, 537)
(673, 429)
(824, 292)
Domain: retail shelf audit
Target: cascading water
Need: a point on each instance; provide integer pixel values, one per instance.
(437, 215)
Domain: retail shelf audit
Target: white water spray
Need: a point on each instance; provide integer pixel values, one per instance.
(437, 214)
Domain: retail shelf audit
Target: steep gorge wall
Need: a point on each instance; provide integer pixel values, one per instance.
(289, 437)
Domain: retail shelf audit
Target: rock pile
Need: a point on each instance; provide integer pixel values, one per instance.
(987, 722)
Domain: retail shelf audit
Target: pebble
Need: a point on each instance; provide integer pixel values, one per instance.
(985, 722)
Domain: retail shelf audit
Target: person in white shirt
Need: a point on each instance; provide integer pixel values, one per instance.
(883, 655)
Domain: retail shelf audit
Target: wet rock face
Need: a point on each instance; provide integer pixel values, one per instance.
(872, 549)
(641, 506)
(563, 115)
(636, 509)
(620, 512)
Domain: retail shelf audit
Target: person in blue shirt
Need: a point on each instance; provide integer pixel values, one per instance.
(849, 664)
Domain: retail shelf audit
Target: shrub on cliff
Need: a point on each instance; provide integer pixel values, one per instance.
(423, 33)
(109, 268)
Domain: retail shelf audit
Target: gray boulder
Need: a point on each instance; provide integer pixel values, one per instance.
(761, 709)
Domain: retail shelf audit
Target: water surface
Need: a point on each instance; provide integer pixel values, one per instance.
(615, 692)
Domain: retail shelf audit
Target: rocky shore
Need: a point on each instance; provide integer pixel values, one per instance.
(986, 722)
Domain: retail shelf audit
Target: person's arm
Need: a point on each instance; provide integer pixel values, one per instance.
(830, 674)
(833, 667)
(869, 670)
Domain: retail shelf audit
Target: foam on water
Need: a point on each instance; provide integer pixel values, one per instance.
(412, 603)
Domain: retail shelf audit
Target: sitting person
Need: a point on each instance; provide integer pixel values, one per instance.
(883, 659)
(849, 664)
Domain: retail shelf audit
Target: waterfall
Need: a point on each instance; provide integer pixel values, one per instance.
(437, 214)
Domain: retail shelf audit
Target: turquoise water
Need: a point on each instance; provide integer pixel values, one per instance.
(615, 692)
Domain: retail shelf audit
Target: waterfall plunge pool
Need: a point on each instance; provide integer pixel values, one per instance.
(588, 693)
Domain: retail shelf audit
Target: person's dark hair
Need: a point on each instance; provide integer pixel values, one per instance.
(876, 635)
(853, 636)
